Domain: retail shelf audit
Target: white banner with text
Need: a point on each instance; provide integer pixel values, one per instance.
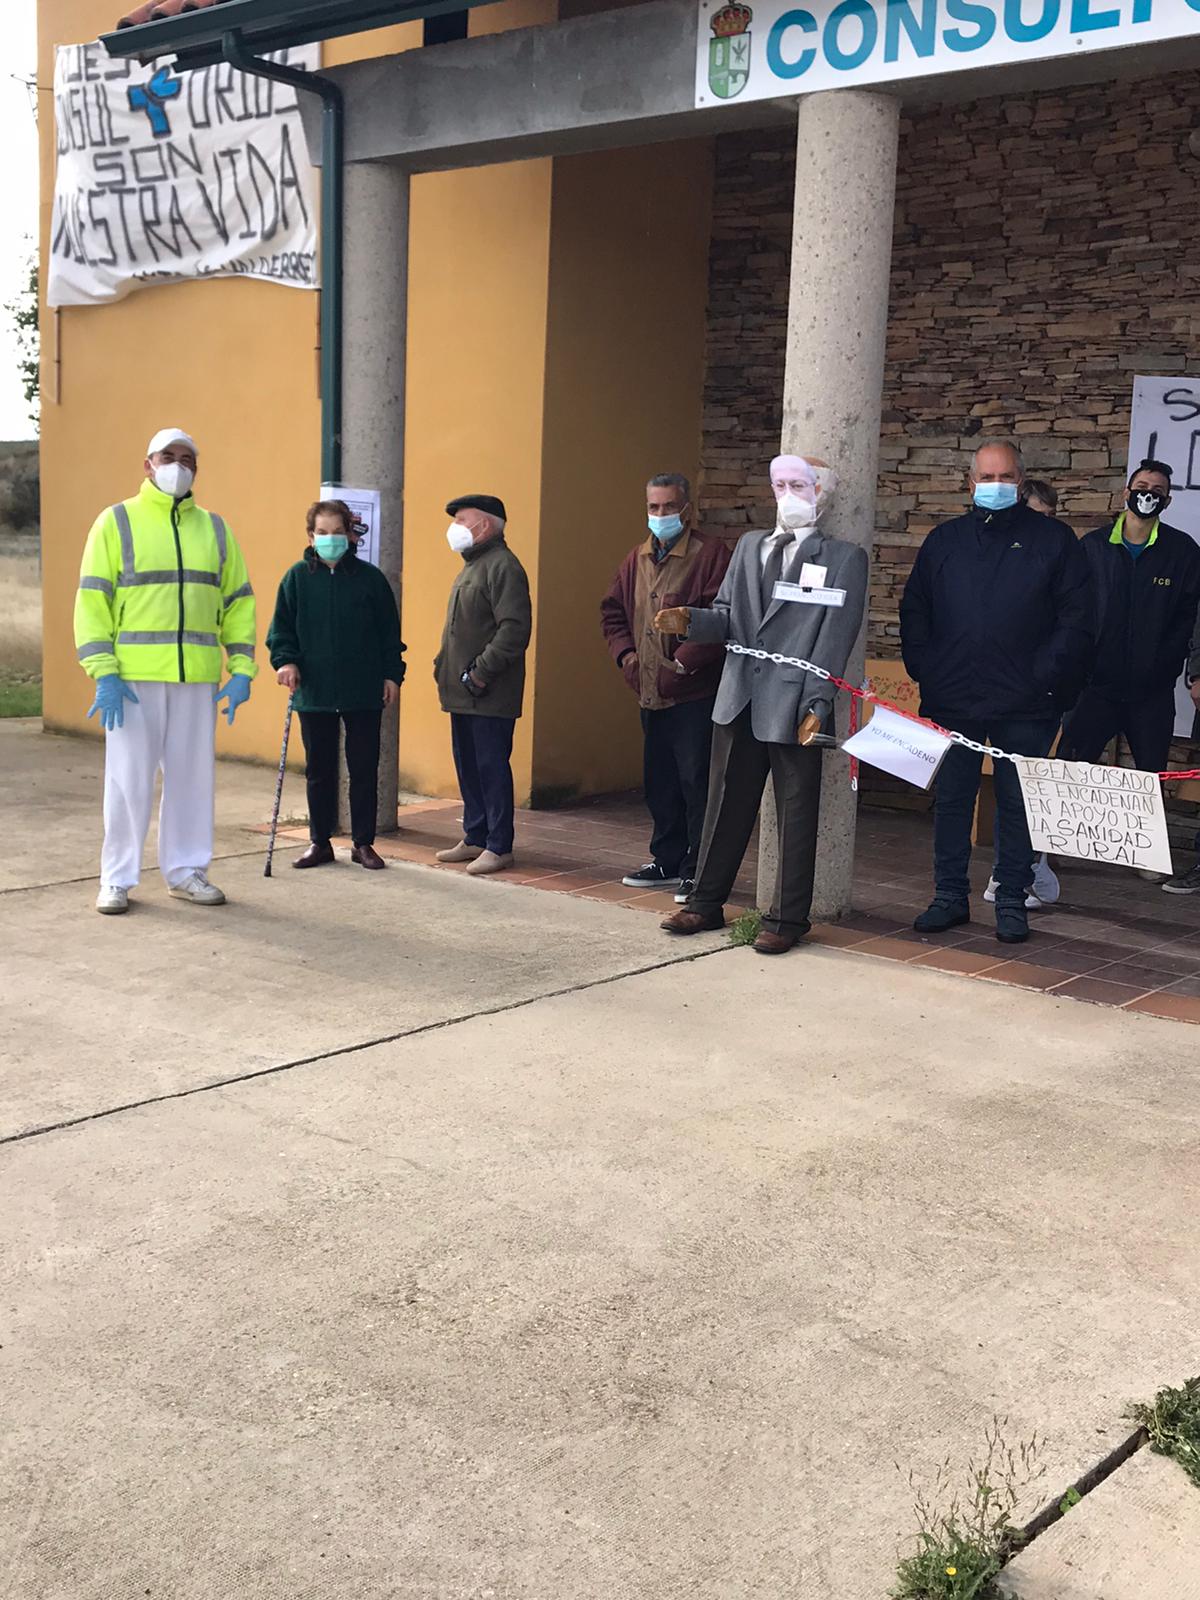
(162, 178)
(770, 48)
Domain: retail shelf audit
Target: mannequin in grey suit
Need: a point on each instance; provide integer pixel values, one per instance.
(767, 716)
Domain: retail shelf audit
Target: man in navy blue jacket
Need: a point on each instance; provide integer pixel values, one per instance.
(995, 628)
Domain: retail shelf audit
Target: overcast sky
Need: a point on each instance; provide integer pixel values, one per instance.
(19, 213)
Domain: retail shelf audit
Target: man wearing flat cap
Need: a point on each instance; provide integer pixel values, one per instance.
(163, 592)
(480, 673)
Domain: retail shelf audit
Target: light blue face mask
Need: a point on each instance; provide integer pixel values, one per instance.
(331, 546)
(995, 496)
(665, 529)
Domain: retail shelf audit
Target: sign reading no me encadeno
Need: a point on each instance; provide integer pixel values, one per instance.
(1113, 814)
(162, 177)
(766, 48)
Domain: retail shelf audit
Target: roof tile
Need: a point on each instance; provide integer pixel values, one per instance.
(154, 10)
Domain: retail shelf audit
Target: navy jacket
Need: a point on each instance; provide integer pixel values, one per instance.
(1145, 611)
(996, 619)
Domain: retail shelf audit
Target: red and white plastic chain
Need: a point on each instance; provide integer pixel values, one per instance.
(866, 694)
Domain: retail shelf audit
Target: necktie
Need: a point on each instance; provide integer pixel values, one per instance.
(773, 568)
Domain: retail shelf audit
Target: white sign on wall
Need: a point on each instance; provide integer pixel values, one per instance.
(364, 506)
(1164, 424)
(1112, 814)
(768, 48)
(162, 177)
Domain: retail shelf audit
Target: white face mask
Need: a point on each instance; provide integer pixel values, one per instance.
(174, 479)
(459, 539)
(796, 512)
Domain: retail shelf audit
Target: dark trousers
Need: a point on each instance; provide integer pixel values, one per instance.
(954, 806)
(675, 755)
(1147, 725)
(740, 764)
(319, 730)
(482, 748)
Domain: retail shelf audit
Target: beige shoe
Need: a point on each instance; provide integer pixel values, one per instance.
(489, 861)
(462, 851)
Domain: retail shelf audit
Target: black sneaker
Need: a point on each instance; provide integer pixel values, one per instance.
(652, 876)
(684, 893)
(1184, 882)
(1012, 922)
(943, 914)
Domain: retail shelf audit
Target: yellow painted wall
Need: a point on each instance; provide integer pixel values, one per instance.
(478, 284)
(624, 383)
(555, 358)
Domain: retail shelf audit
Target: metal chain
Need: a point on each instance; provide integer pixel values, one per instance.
(865, 694)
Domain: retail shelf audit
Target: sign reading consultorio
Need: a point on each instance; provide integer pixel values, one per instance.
(770, 48)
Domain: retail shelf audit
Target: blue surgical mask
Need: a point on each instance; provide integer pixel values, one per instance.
(331, 546)
(995, 496)
(665, 529)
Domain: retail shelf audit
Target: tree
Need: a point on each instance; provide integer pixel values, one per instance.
(24, 313)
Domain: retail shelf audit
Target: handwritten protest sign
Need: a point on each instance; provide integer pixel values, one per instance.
(1098, 813)
(163, 177)
(898, 745)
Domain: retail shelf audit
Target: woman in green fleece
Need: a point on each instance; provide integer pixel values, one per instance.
(335, 642)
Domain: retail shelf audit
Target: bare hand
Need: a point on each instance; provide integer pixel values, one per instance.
(289, 677)
(391, 692)
(1194, 691)
(675, 619)
(808, 729)
(629, 659)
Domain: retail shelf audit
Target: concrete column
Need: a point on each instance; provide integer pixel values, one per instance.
(375, 324)
(833, 382)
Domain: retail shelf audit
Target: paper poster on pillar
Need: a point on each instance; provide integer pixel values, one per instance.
(767, 49)
(163, 177)
(1164, 425)
(364, 507)
(1110, 814)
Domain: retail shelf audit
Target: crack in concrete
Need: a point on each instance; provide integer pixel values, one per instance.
(352, 1049)
(1053, 1511)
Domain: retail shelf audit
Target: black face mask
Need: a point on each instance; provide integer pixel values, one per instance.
(1145, 502)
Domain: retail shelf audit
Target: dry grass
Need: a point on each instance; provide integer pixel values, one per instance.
(20, 616)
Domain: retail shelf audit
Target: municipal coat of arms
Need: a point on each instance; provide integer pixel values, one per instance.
(729, 50)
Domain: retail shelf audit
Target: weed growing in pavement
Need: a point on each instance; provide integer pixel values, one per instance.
(965, 1536)
(746, 928)
(1172, 1420)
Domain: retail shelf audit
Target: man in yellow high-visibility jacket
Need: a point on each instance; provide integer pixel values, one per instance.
(162, 588)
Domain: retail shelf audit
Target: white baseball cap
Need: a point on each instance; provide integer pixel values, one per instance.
(166, 436)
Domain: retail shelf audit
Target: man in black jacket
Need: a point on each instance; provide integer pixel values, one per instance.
(1145, 590)
(995, 629)
(1189, 882)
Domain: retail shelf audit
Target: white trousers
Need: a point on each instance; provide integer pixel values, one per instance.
(173, 726)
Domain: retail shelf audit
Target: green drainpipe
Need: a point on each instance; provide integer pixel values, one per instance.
(333, 130)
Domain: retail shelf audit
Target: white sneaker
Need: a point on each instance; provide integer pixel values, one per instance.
(112, 901)
(489, 862)
(1034, 901)
(198, 890)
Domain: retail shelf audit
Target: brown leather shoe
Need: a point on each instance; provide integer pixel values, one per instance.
(774, 944)
(365, 855)
(317, 855)
(693, 922)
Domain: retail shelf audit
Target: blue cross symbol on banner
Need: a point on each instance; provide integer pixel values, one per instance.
(152, 98)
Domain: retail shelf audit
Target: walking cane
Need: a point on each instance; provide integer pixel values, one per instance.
(287, 728)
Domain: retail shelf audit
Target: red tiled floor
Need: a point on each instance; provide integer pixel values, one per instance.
(1025, 975)
(1095, 989)
(956, 961)
(1180, 1007)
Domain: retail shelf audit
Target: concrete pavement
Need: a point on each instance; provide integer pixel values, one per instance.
(639, 1287)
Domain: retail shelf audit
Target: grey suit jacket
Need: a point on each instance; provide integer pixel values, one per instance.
(780, 697)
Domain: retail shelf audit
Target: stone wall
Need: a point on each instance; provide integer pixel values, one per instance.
(1046, 249)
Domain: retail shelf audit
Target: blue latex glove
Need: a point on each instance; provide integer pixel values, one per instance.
(236, 691)
(111, 695)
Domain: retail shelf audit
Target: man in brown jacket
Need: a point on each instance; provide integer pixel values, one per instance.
(480, 673)
(675, 683)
